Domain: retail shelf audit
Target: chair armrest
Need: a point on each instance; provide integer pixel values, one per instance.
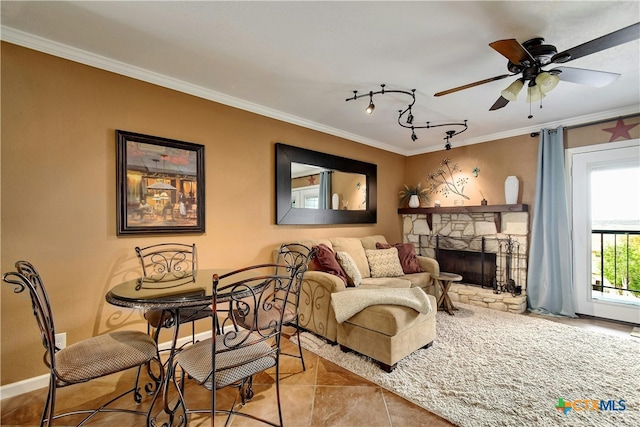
(429, 265)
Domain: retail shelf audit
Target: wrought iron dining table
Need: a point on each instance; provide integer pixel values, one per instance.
(171, 293)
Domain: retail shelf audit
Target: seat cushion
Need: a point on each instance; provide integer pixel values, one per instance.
(419, 280)
(386, 282)
(267, 319)
(103, 355)
(196, 360)
(389, 319)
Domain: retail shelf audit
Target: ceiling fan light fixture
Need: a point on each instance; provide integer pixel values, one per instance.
(534, 93)
(511, 92)
(547, 81)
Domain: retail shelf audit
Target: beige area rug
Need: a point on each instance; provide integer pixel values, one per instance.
(490, 368)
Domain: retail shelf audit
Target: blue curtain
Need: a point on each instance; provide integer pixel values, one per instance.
(550, 276)
(324, 201)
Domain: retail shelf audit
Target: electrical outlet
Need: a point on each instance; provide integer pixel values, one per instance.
(61, 340)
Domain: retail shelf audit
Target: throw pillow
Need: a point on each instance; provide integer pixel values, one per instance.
(354, 278)
(384, 262)
(407, 256)
(325, 260)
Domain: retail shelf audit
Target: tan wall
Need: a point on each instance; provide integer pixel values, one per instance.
(498, 159)
(59, 199)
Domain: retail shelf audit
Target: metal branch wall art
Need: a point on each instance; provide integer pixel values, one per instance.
(444, 182)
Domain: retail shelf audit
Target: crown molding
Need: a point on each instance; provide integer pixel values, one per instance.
(41, 44)
(50, 47)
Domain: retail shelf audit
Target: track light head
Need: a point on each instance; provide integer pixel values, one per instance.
(447, 146)
(371, 107)
(410, 118)
(413, 135)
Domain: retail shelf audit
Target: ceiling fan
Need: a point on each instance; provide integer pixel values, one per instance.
(529, 58)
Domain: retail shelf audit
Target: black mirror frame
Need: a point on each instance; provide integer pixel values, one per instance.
(285, 214)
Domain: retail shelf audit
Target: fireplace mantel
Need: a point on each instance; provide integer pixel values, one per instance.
(497, 211)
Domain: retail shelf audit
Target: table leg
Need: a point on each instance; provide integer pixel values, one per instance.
(444, 302)
(168, 379)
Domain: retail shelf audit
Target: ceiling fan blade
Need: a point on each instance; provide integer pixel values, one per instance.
(624, 35)
(581, 76)
(513, 51)
(478, 83)
(501, 102)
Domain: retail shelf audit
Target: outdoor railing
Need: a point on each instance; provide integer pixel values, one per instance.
(616, 261)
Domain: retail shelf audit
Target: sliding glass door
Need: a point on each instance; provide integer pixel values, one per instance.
(605, 192)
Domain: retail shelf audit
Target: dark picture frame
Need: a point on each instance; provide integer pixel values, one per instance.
(159, 185)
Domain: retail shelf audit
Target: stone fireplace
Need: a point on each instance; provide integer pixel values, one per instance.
(487, 245)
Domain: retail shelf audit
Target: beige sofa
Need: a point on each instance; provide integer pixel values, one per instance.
(385, 332)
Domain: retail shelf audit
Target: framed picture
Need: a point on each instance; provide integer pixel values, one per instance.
(159, 185)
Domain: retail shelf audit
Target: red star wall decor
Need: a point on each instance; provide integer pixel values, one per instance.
(620, 130)
(312, 180)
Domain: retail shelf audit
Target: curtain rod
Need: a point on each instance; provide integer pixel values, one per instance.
(534, 134)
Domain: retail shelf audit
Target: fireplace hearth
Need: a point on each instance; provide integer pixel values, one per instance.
(486, 245)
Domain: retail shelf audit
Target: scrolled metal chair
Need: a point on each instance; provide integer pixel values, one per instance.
(86, 360)
(290, 256)
(236, 354)
(160, 263)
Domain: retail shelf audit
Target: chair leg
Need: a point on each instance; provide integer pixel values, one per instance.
(50, 404)
(278, 391)
(300, 345)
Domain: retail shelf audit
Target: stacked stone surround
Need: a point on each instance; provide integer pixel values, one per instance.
(464, 231)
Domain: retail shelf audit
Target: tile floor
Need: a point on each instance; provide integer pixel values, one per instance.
(323, 395)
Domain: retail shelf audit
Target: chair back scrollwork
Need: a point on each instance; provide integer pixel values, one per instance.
(167, 261)
(27, 277)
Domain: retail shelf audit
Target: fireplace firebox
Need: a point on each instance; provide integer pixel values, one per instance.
(476, 268)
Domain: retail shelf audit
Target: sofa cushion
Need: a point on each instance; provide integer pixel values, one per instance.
(419, 280)
(353, 246)
(406, 254)
(384, 262)
(354, 278)
(370, 242)
(389, 319)
(386, 282)
(325, 260)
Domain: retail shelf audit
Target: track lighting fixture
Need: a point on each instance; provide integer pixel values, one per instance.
(408, 122)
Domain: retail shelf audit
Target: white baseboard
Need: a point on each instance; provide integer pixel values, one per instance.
(30, 384)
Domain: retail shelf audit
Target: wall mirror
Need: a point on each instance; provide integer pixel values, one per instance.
(319, 188)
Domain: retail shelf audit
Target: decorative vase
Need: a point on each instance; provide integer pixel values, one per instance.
(511, 187)
(414, 202)
(335, 201)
